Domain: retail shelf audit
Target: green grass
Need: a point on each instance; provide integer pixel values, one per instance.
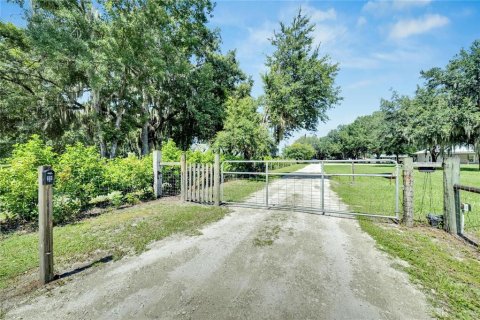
(447, 268)
(377, 195)
(116, 233)
(240, 189)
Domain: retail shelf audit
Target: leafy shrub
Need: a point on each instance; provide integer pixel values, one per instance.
(18, 183)
(170, 151)
(198, 156)
(299, 151)
(128, 174)
(133, 197)
(116, 198)
(65, 208)
(80, 173)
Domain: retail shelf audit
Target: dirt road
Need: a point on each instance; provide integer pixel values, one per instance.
(253, 264)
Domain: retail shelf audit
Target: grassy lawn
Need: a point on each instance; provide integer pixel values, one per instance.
(239, 189)
(447, 268)
(116, 233)
(377, 194)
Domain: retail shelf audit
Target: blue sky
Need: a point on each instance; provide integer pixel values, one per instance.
(379, 45)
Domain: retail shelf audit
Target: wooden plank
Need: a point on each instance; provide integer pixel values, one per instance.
(198, 182)
(217, 179)
(194, 181)
(211, 183)
(183, 178)
(190, 181)
(171, 163)
(45, 225)
(204, 181)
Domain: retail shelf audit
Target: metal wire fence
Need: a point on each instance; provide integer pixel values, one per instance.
(344, 187)
(468, 211)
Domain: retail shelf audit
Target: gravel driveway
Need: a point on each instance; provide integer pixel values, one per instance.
(253, 264)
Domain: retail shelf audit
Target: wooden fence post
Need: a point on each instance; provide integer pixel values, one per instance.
(451, 176)
(216, 183)
(45, 223)
(157, 174)
(408, 192)
(183, 177)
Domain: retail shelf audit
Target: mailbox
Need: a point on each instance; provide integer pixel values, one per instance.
(48, 177)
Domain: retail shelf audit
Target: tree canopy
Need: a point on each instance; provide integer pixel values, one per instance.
(300, 83)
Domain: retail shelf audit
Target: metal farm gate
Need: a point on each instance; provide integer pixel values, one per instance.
(316, 186)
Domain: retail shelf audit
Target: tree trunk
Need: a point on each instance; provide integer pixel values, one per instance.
(97, 110)
(118, 123)
(144, 137)
(433, 154)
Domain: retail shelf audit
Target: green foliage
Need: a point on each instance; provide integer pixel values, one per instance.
(299, 84)
(121, 75)
(299, 151)
(80, 173)
(130, 173)
(243, 134)
(19, 182)
(65, 209)
(170, 152)
(198, 156)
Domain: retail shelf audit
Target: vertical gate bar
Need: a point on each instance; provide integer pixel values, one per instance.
(195, 182)
(191, 181)
(201, 180)
(208, 182)
(198, 182)
(204, 181)
(397, 190)
(218, 176)
(211, 183)
(222, 184)
(323, 188)
(266, 183)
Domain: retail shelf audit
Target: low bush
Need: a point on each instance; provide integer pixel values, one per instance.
(65, 209)
(128, 174)
(18, 182)
(80, 173)
(83, 178)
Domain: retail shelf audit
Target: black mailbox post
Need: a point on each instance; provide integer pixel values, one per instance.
(48, 177)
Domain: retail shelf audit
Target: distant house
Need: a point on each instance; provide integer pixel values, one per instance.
(466, 154)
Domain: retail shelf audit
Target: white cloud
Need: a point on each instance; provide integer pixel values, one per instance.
(361, 21)
(379, 7)
(328, 34)
(405, 28)
(359, 84)
(257, 40)
(316, 15)
(319, 15)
